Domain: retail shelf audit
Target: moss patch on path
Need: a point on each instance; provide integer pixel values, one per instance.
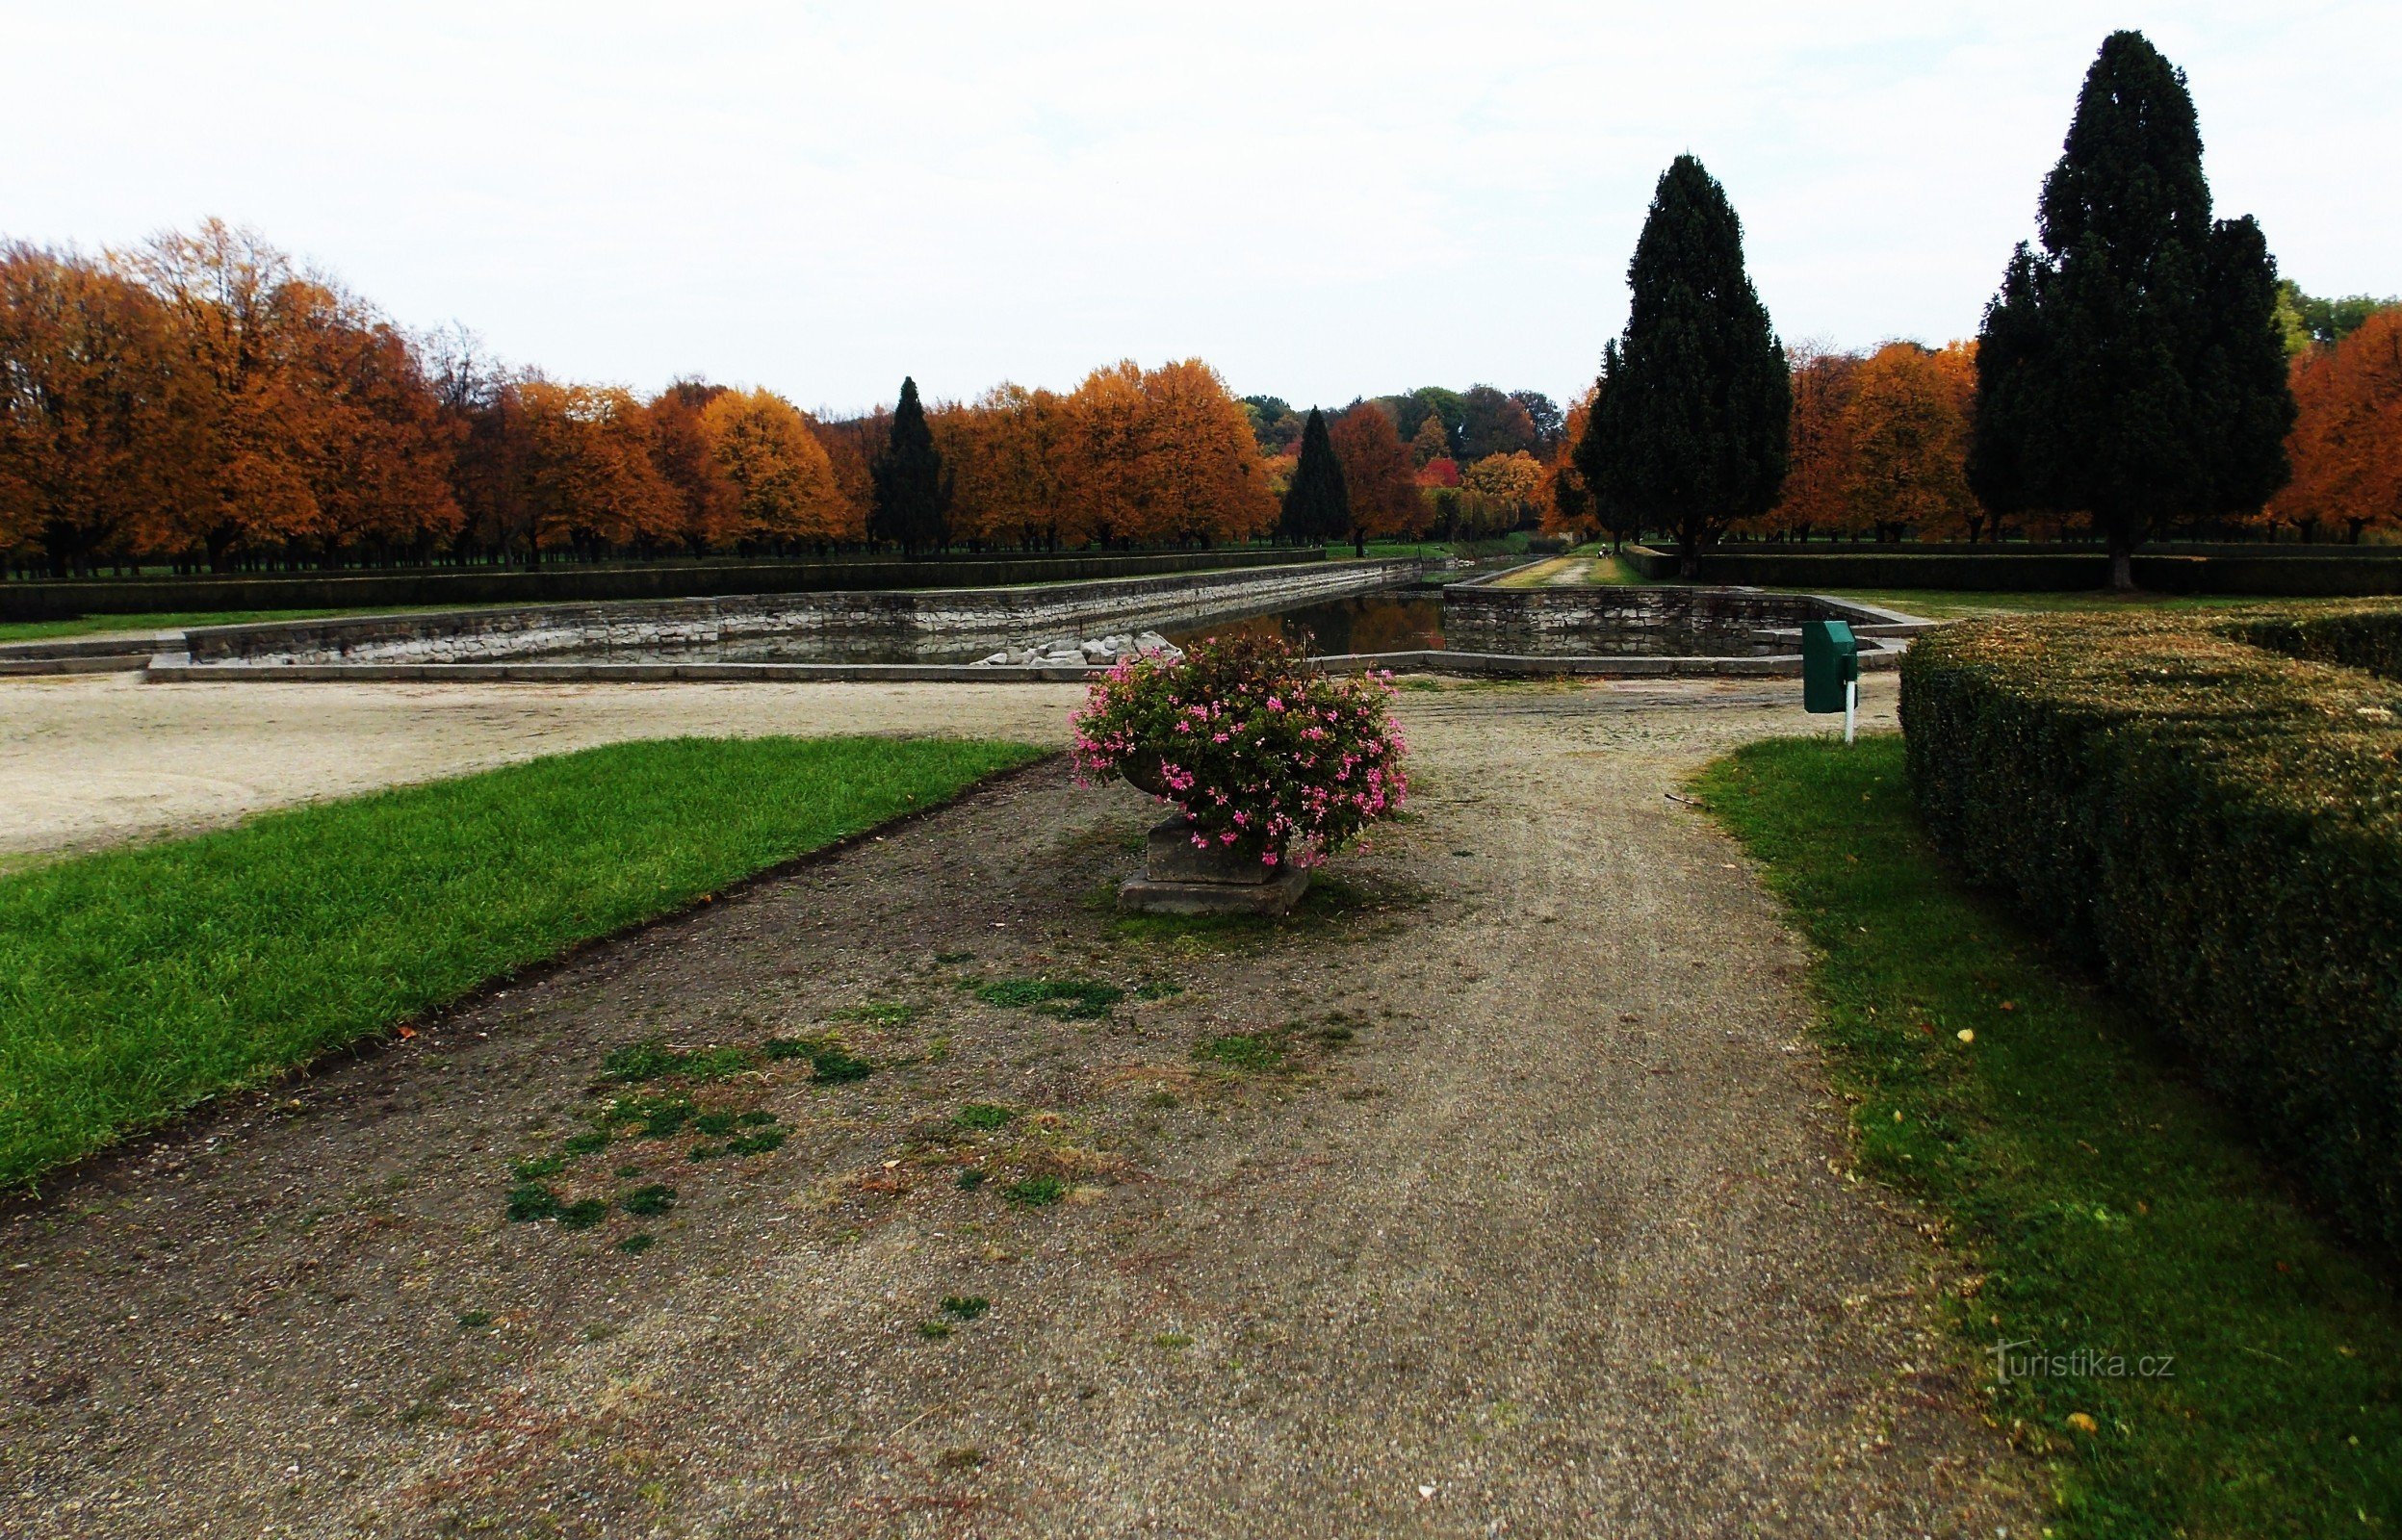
(137, 983)
(2181, 1345)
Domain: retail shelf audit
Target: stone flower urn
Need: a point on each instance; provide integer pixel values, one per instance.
(1181, 878)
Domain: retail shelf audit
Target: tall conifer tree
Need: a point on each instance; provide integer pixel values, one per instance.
(2133, 369)
(1689, 428)
(913, 492)
(1317, 505)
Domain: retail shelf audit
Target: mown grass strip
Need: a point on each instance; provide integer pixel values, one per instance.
(2112, 1211)
(136, 983)
(44, 631)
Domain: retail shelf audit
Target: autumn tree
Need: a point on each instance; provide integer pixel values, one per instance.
(1567, 502)
(1201, 457)
(1317, 506)
(2134, 369)
(1005, 454)
(1162, 454)
(91, 419)
(379, 455)
(1499, 492)
(1378, 479)
(1430, 441)
(1907, 428)
(2347, 443)
(231, 304)
(1818, 458)
(852, 445)
(591, 484)
(913, 491)
(779, 476)
(681, 447)
(1690, 425)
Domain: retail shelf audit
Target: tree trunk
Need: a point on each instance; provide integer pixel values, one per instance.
(2122, 563)
(1689, 560)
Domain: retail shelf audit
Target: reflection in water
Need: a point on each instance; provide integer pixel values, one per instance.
(1363, 623)
(1404, 620)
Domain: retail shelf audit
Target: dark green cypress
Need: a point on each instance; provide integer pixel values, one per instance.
(2134, 370)
(913, 490)
(1688, 432)
(1317, 506)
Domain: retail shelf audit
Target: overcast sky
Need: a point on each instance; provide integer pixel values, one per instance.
(1323, 200)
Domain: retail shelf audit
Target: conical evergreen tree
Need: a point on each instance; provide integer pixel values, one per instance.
(2134, 369)
(913, 491)
(1317, 506)
(1689, 430)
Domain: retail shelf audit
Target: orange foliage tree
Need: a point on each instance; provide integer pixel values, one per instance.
(89, 418)
(685, 453)
(1380, 477)
(2346, 441)
(781, 478)
(591, 478)
(1567, 502)
(1500, 492)
(1817, 476)
(203, 399)
(1007, 457)
(1908, 426)
(1160, 455)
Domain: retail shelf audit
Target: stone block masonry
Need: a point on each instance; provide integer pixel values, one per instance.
(1649, 622)
(926, 620)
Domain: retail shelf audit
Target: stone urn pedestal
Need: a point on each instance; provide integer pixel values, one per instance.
(1181, 878)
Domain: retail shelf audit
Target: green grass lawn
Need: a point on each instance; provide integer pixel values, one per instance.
(2106, 1205)
(137, 983)
(43, 630)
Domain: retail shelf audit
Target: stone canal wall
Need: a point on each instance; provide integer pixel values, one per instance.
(1646, 620)
(949, 617)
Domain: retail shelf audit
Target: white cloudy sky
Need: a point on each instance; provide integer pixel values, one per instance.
(1324, 200)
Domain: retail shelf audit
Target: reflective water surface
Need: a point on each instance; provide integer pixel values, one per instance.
(1399, 620)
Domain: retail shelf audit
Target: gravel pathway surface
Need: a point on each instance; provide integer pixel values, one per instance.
(87, 760)
(1495, 1193)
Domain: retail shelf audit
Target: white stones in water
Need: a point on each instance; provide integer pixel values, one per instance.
(1068, 652)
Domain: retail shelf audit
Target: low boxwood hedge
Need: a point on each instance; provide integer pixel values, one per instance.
(2217, 823)
(2366, 637)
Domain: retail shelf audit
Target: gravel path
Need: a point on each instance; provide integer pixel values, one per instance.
(1508, 1202)
(92, 760)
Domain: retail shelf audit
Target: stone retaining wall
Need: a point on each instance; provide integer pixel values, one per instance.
(574, 582)
(949, 619)
(1647, 621)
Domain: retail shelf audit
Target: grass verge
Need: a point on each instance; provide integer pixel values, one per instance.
(44, 631)
(2113, 1216)
(136, 983)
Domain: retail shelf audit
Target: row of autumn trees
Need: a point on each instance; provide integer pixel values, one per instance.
(203, 401)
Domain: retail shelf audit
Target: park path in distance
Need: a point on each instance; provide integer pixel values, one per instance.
(1532, 1222)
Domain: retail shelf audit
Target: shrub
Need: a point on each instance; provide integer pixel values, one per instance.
(1258, 751)
(2219, 827)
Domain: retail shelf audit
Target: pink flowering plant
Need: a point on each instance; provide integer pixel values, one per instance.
(1261, 753)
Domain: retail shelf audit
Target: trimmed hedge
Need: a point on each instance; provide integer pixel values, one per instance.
(2291, 572)
(2215, 824)
(577, 584)
(2353, 638)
